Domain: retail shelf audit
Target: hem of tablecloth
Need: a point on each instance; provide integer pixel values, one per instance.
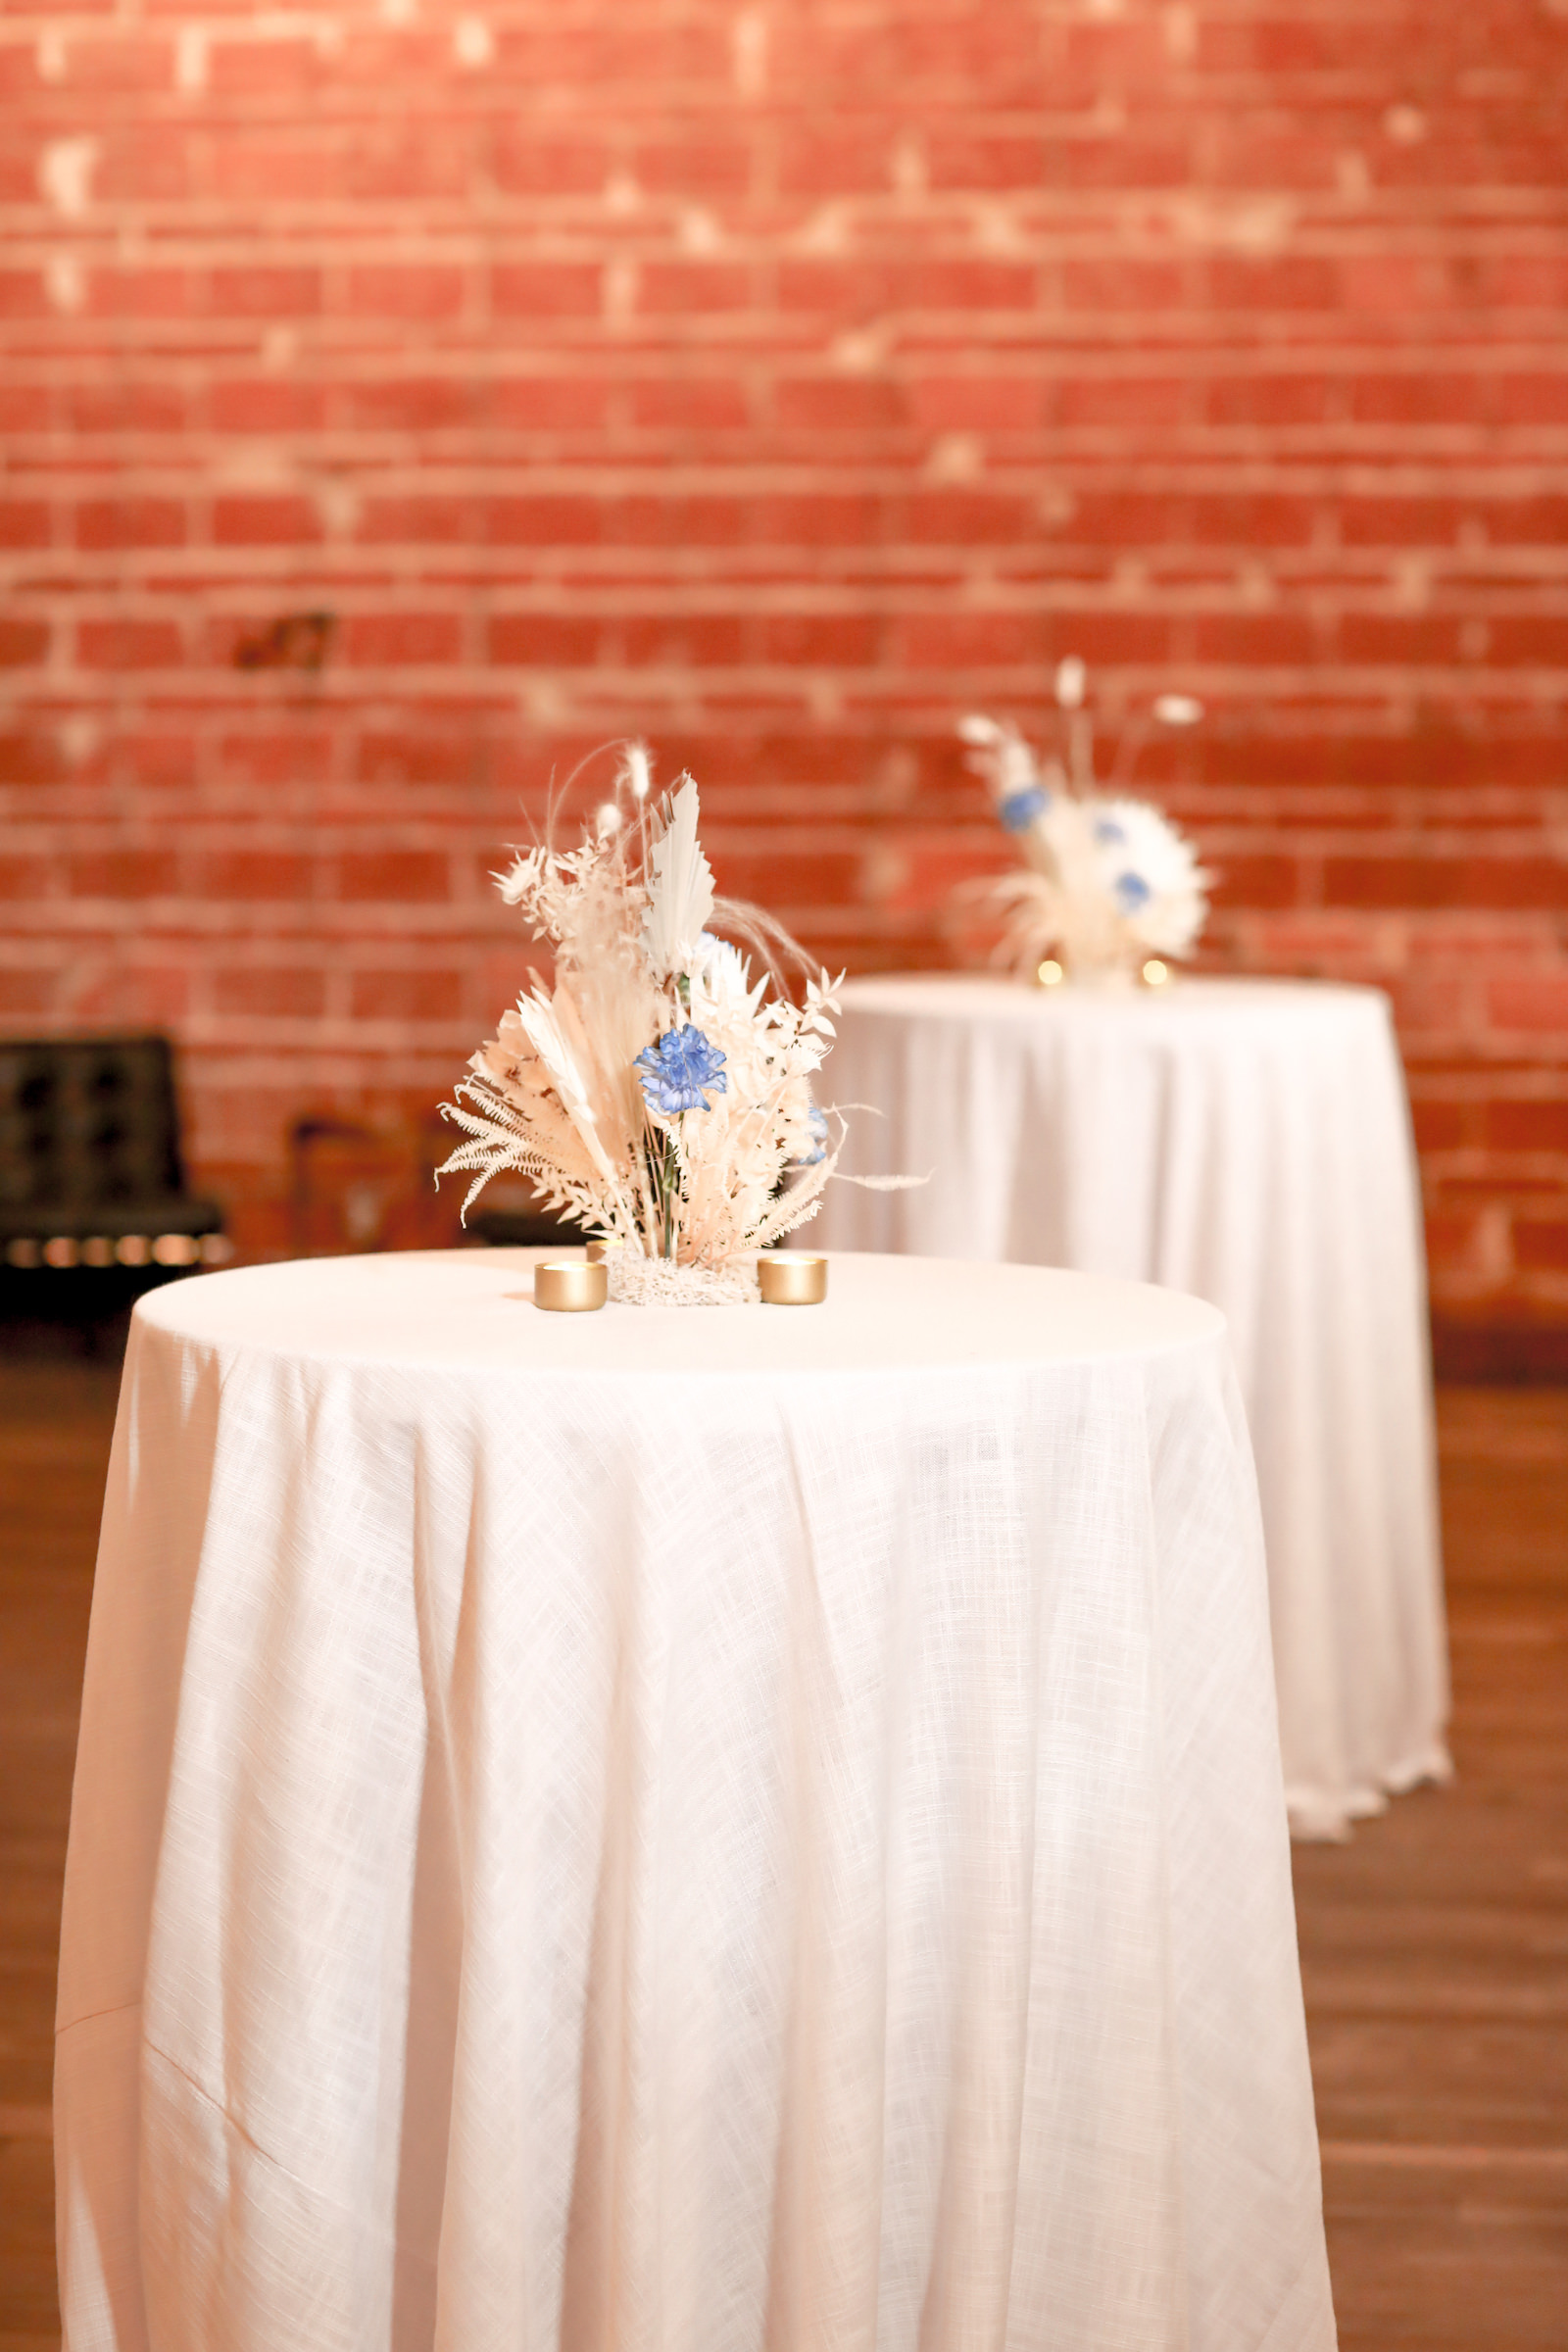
(1322, 1816)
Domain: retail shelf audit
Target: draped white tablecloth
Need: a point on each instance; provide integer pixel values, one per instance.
(1249, 1142)
(681, 1831)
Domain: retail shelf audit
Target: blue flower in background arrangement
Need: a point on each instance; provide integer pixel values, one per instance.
(680, 1071)
(1020, 808)
(1108, 831)
(818, 1150)
(1131, 892)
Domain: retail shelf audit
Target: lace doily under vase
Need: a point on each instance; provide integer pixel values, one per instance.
(637, 1281)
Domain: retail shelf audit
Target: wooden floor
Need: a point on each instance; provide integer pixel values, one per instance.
(1434, 1945)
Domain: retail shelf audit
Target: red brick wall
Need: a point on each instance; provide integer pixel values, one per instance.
(780, 377)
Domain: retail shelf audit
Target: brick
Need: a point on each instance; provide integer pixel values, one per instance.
(821, 518)
(24, 523)
(682, 288)
(984, 403)
(542, 520)
(1439, 1126)
(1448, 881)
(1540, 1245)
(694, 163)
(29, 758)
(152, 293)
(282, 68)
(411, 755)
(22, 295)
(1018, 161)
(1259, 881)
(24, 877)
(427, 290)
(397, 993)
(857, 160)
(1270, 399)
(127, 407)
(126, 522)
(675, 521)
(528, 162)
(1537, 1001)
(1526, 1126)
(253, 875)
(26, 409)
(682, 404)
(1399, 638)
(26, 993)
(393, 640)
(835, 640)
(416, 519)
(266, 521)
(264, 290)
(424, 404)
(1539, 398)
(116, 645)
(1107, 283)
(685, 640)
(546, 289)
(263, 404)
(267, 169)
(938, 641)
(120, 874)
(137, 63)
(547, 404)
(268, 992)
(397, 877)
(543, 639)
(1394, 519)
(23, 642)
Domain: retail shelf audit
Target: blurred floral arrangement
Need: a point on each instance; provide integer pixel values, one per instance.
(656, 1093)
(1109, 888)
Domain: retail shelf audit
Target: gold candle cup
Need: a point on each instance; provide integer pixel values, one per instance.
(788, 1278)
(599, 1252)
(571, 1286)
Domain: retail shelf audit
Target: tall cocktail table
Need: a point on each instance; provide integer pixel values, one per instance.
(709, 1830)
(1249, 1142)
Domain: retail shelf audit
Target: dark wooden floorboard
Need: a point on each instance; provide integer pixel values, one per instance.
(1434, 1945)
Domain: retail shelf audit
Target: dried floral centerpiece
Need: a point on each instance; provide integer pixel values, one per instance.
(656, 1093)
(1109, 888)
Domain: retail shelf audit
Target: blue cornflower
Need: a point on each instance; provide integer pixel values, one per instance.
(1020, 808)
(680, 1071)
(1108, 831)
(1131, 892)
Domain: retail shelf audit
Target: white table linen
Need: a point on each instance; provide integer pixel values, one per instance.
(681, 1831)
(1248, 1142)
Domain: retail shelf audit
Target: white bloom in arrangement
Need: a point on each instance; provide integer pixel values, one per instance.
(656, 1095)
(1107, 881)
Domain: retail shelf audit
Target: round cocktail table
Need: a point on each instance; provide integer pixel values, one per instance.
(705, 1829)
(1249, 1142)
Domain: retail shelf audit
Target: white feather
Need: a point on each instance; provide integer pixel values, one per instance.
(680, 889)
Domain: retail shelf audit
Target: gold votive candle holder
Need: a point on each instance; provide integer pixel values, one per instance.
(570, 1286)
(789, 1278)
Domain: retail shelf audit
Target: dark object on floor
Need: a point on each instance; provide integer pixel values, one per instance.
(93, 1205)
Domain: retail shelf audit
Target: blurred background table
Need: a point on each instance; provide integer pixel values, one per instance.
(1248, 1142)
(703, 1828)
